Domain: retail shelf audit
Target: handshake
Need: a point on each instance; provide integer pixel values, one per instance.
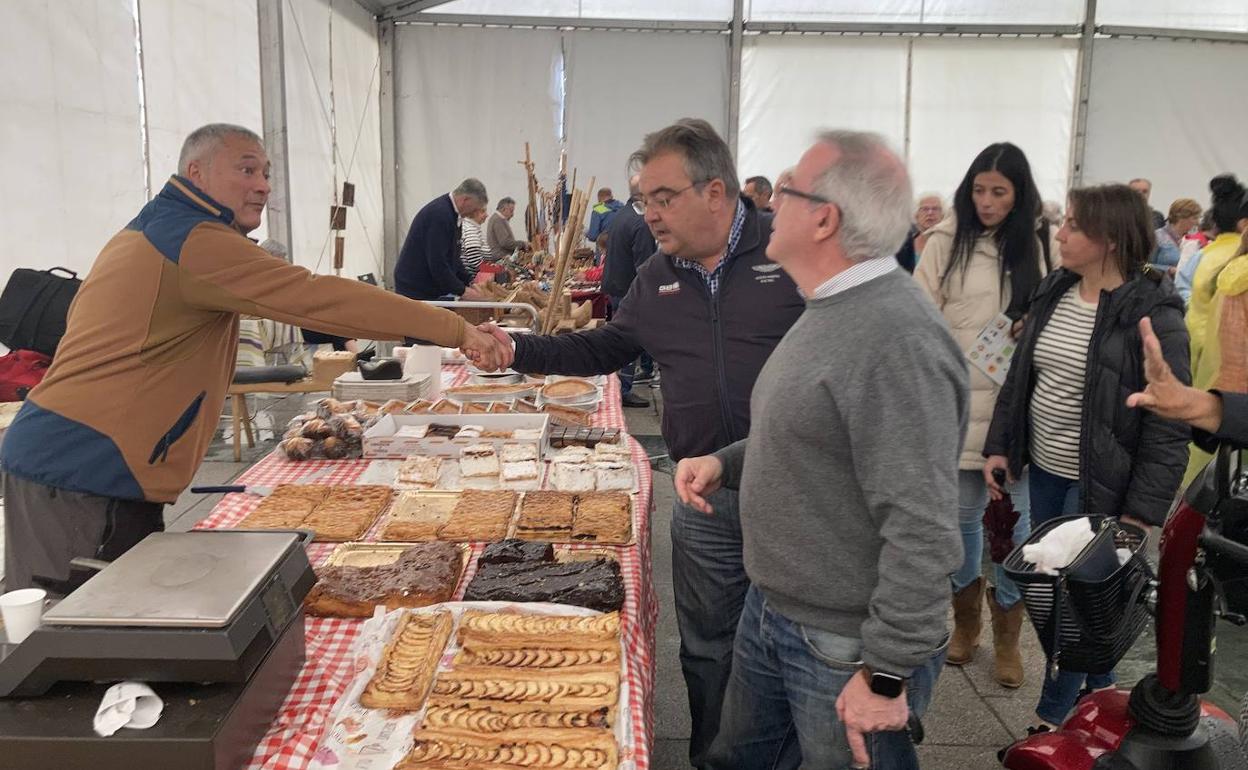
(488, 347)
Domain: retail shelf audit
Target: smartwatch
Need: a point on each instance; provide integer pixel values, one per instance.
(886, 685)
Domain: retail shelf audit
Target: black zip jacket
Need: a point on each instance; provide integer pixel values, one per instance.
(1130, 460)
(629, 244)
(710, 350)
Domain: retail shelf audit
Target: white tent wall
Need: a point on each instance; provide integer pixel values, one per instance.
(201, 65)
(793, 86)
(1227, 15)
(705, 10)
(968, 93)
(914, 11)
(964, 95)
(316, 170)
(1172, 111)
(612, 101)
(466, 101)
(70, 139)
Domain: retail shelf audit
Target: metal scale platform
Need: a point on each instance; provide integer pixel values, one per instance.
(212, 620)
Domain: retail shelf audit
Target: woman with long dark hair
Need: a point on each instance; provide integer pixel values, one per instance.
(983, 261)
(1063, 411)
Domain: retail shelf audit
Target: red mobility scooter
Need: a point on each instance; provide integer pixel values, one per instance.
(1090, 613)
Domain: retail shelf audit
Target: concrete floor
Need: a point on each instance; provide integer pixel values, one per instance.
(970, 718)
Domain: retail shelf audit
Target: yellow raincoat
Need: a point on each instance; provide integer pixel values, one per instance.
(1223, 363)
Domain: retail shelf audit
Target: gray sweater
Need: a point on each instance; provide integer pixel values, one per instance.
(849, 478)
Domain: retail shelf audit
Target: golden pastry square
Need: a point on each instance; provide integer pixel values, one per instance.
(314, 492)
(480, 515)
(606, 516)
(542, 688)
(416, 516)
(374, 494)
(513, 629)
(339, 526)
(498, 717)
(546, 510)
(421, 470)
(435, 749)
(407, 665)
(285, 517)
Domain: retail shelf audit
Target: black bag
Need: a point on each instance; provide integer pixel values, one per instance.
(33, 308)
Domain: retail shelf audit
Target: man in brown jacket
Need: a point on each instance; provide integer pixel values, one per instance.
(122, 420)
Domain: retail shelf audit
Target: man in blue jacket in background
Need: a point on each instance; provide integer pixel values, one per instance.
(602, 215)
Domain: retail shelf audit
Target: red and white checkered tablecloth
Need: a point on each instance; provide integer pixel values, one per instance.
(296, 732)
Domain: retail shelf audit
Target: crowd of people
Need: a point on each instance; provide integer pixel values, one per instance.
(835, 450)
(816, 554)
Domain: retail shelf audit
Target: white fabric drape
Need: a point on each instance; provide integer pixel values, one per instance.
(793, 86)
(70, 142)
(612, 101)
(967, 94)
(1229, 15)
(1171, 111)
(460, 115)
(594, 9)
(900, 11)
(201, 65)
(354, 80)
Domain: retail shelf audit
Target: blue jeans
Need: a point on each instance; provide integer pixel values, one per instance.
(1053, 496)
(709, 583)
(780, 708)
(972, 499)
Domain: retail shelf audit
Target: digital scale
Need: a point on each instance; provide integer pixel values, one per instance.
(212, 620)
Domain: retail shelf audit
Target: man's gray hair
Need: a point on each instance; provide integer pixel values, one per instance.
(204, 141)
(869, 184)
(506, 202)
(705, 153)
(474, 188)
(918, 199)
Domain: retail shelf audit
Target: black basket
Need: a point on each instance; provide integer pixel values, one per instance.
(1090, 613)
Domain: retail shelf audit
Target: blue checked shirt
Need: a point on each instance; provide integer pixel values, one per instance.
(711, 277)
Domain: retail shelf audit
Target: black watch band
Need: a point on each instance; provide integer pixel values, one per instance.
(886, 685)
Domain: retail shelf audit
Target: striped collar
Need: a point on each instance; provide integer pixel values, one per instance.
(855, 275)
(182, 189)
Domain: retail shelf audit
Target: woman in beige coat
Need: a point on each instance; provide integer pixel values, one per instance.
(985, 260)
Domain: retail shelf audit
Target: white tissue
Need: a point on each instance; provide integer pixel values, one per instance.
(1060, 547)
(128, 704)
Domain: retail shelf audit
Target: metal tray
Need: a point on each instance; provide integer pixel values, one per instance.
(378, 554)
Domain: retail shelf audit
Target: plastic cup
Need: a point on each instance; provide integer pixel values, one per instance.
(23, 612)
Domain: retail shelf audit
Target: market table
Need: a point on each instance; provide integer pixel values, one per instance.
(294, 737)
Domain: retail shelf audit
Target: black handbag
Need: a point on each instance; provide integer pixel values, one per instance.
(34, 307)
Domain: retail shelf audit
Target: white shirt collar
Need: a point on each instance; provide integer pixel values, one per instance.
(856, 275)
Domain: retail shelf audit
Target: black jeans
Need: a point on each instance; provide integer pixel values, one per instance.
(46, 527)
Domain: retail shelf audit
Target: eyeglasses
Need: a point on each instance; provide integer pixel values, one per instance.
(662, 201)
(784, 189)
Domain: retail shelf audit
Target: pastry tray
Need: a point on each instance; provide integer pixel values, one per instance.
(522, 390)
(568, 541)
(358, 554)
(384, 519)
(385, 472)
(359, 736)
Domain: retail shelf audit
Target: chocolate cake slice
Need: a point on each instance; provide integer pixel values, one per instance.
(513, 551)
(593, 583)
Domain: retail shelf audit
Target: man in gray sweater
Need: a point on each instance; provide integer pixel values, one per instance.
(848, 484)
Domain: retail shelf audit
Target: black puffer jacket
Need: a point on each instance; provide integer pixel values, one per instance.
(1131, 461)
